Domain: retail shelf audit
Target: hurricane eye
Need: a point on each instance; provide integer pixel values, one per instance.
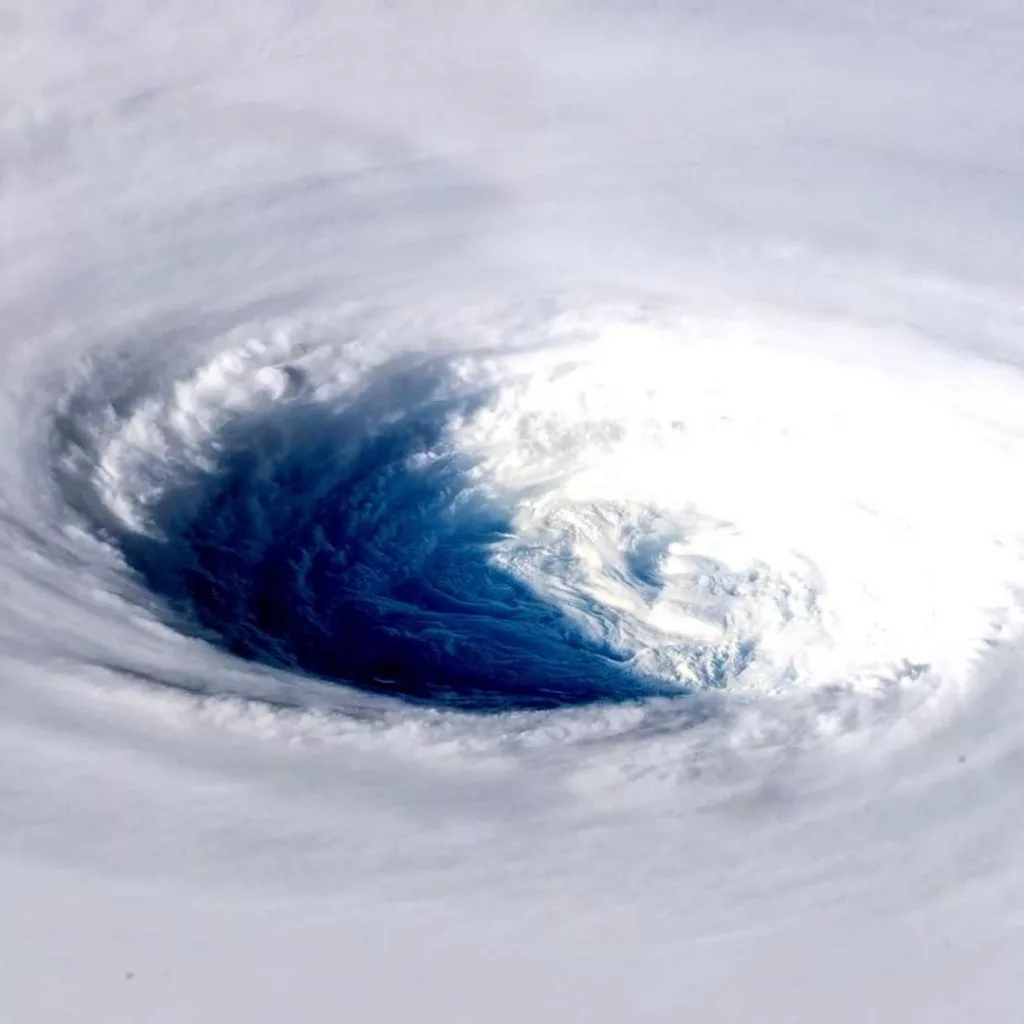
(352, 545)
(621, 515)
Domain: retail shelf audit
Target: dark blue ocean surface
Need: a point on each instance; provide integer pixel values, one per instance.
(353, 545)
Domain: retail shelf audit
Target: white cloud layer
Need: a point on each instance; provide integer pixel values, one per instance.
(720, 305)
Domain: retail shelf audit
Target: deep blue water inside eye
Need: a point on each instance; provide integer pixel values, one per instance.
(355, 546)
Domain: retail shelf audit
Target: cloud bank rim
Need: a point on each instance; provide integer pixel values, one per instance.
(595, 505)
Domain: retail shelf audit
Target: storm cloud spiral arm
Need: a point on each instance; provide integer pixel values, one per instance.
(511, 515)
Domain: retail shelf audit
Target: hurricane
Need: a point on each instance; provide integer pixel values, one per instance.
(511, 512)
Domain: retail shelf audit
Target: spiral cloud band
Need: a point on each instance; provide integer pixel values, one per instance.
(511, 514)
